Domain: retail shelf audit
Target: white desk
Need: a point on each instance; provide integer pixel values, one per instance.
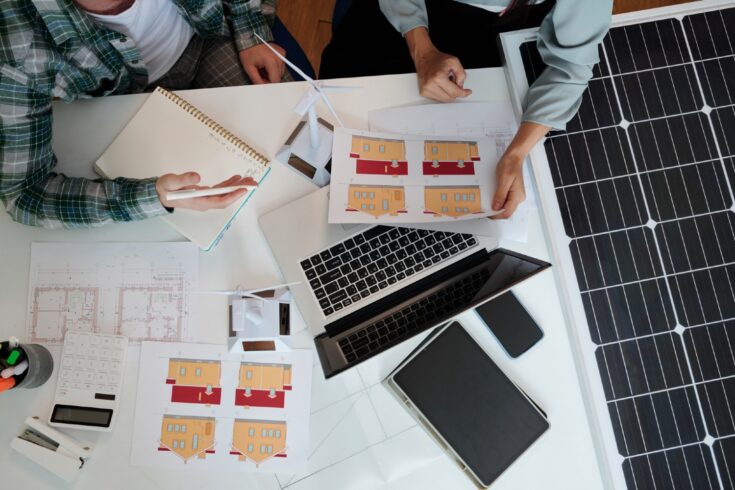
(360, 437)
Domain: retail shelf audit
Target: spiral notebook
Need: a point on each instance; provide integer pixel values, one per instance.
(169, 135)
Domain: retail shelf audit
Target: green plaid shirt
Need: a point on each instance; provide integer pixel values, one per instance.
(51, 49)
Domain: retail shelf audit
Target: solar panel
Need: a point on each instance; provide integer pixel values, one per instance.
(643, 178)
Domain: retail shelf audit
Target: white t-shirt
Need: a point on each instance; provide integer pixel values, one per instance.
(159, 32)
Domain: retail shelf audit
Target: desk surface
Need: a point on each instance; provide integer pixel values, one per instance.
(360, 437)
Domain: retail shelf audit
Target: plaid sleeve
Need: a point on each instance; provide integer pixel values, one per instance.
(35, 195)
(246, 19)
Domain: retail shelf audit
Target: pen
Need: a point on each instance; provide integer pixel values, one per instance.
(214, 191)
(6, 383)
(15, 370)
(13, 357)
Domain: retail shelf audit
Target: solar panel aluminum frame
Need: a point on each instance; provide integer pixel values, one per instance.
(558, 243)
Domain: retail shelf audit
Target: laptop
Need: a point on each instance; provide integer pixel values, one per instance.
(366, 288)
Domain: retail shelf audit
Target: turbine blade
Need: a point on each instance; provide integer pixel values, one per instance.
(295, 68)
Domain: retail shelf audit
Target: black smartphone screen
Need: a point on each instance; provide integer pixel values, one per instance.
(510, 322)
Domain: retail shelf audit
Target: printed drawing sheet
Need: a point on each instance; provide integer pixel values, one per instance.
(468, 119)
(386, 178)
(200, 407)
(140, 290)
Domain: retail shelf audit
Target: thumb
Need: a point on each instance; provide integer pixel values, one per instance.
(173, 181)
(501, 194)
(460, 75)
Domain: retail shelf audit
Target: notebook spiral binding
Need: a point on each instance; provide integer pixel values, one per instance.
(214, 126)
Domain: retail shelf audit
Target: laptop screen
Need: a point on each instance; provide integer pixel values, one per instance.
(430, 301)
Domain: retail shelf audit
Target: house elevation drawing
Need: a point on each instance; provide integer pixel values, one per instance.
(379, 156)
(258, 440)
(450, 157)
(376, 200)
(195, 381)
(187, 436)
(263, 385)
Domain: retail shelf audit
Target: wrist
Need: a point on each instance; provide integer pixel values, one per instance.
(419, 42)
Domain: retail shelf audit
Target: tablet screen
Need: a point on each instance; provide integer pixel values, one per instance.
(463, 394)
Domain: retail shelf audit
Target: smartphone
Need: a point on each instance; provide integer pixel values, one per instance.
(511, 324)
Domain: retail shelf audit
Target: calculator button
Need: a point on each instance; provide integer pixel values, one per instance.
(93, 352)
(103, 365)
(67, 362)
(115, 366)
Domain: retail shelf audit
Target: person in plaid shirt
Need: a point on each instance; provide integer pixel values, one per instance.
(70, 49)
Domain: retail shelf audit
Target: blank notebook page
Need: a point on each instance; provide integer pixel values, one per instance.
(169, 136)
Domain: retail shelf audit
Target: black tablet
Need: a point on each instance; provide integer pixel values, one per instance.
(463, 396)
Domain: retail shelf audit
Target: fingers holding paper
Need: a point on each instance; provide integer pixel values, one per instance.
(262, 65)
(190, 181)
(511, 191)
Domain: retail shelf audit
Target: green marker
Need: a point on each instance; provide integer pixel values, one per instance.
(13, 357)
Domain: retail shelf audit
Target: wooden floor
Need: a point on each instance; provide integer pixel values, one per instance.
(310, 21)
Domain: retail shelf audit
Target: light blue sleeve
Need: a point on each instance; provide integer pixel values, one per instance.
(568, 42)
(405, 15)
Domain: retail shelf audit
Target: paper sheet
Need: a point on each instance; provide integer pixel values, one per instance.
(199, 407)
(140, 290)
(468, 119)
(384, 178)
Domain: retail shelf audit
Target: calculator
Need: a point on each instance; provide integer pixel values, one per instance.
(90, 381)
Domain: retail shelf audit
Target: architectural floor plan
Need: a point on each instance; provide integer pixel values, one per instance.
(137, 290)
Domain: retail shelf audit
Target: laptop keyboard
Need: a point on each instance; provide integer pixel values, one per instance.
(369, 262)
(410, 320)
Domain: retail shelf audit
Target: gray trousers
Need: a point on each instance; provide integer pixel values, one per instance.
(207, 63)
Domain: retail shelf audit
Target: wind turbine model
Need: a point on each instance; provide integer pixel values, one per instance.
(259, 318)
(309, 150)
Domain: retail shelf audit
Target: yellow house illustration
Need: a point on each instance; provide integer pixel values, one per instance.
(187, 436)
(376, 200)
(258, 440)
(263, 385)
(379, 156)
(450, 157)
(194, 381)
(452, 200)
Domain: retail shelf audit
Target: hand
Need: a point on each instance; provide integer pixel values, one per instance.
(262, 65)
(510, 192)
(441, 76)
(173, 182)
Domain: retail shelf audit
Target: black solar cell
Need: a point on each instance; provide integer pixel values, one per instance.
(644, 178)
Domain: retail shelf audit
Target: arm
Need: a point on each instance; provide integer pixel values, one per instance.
(568, 44)
(440, 76)
(246, 20)
(35, 195)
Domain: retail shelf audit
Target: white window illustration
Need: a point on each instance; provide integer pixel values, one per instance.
(385, 204)
(381, 148)
(445, 209)
(472, 197)
(181, 444)
(364, 195)
(176, 444)
(434, 150)
(270, 433)
(365, 147)
(457, 197)
(444, 196)
(169, 427)
(372, 195)
(198, 372)
(264, 433)
(262, 448)
(278, 434)
(182, 371)
(272, 393)
(363, 206)
(183, 427)
(357, 195)
(457, 209)
(248, 374)
(464, 197)
(176, 428)
(270, 449)
(250, 448)
(372, 206)
(195, 441)
(251, 432)
(248, 391)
